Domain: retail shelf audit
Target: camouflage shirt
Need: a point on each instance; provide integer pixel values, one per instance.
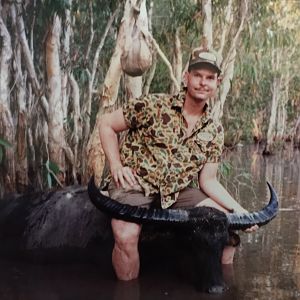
(156, 146)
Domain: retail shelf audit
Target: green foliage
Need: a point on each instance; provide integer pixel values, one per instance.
(51, 173)
(225, 169)
(3, 145)
(51, 7)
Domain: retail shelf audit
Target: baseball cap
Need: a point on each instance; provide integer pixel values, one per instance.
(202, 56)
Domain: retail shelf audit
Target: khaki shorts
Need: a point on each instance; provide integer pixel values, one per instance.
(188, 197)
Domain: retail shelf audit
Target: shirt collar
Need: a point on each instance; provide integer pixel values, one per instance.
(177, 102)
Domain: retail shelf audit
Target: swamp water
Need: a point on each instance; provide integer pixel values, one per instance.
(267, 264)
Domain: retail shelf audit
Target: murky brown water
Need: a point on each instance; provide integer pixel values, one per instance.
(267, 264)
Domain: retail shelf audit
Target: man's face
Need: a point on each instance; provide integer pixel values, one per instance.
(201, 83)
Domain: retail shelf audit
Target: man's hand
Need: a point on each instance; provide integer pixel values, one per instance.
(123, 176)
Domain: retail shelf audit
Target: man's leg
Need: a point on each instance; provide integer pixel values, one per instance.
(125, 255)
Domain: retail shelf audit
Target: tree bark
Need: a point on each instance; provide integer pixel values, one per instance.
(21, 134)
(56, 143)
(177, 62)
(77, 132)
(207, 22)
(25, 47)
(6, 122)
(228, 64)
(272, 121)
(88, 102)
(95, 154)
(282, 107)
(65, 58)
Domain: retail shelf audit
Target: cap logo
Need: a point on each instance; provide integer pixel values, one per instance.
(207, 56)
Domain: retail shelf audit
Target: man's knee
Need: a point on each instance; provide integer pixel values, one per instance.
(126, 234)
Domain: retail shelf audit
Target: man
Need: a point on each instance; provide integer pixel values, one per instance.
(170, 153)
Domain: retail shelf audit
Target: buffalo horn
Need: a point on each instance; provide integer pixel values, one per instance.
(143, 215)
(241, 221)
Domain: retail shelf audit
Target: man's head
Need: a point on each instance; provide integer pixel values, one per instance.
(203, 76)
(201, 57)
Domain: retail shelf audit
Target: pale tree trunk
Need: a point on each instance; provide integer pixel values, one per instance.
(276, 62)
(65, 58)
(56, 143)
(7, 176)
(92, 76)
(229, 61)
(28, 59)
(207, 22)
(177, 62)
(21, 140)
(282, 107)
(151, 72)
(276, 85)
(228, 20)
(95, 154)
(77, 132)
(150, 76)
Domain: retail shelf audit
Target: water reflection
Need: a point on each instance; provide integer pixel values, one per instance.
(267, 264)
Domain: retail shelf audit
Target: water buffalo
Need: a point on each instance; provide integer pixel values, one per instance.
(64, 225)
(204, 231)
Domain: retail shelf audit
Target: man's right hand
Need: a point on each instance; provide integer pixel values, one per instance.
(123, 176)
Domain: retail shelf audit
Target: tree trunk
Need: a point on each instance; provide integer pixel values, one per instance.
(77, 132)
(282, 109)
(25, 47)
(88, 102)
(177, 62)
(66, 61)
(95, 154)
(21, 134)
(56, 141)
(207, 22)
(7, 176)
(272, 121)
(229, 61)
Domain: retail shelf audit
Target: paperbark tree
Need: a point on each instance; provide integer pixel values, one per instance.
(56, 143)
(132, 13)
(22, 122)
(6, 122)
(177, 62)
(230, 57)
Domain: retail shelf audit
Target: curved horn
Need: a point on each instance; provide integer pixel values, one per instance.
(239, 221)
(134, 213)
(184, 216)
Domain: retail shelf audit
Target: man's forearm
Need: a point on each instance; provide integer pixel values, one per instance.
(215, 190)
(110, 144)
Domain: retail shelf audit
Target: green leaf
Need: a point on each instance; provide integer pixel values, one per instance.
(5, 143)
(53, 167)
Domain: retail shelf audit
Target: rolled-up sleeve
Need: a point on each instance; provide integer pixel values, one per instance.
(136, 111)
